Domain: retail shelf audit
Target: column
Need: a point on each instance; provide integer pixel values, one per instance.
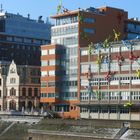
(17, 105)
(8, 106)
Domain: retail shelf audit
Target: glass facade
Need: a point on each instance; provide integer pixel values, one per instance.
(26, 27)
(66, 20)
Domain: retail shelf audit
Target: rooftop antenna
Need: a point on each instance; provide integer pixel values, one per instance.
(1, 8)
(28, 16)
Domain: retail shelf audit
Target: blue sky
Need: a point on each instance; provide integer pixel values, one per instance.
(48, 7)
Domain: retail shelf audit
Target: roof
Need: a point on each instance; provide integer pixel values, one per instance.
(65, 14)
(133, 21)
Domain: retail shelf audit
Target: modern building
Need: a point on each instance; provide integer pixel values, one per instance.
(19, 86)
(62, 61)
(21, 37)
(110, 81)
(133, 28)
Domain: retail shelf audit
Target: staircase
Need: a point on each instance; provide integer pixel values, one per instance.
(121, 132)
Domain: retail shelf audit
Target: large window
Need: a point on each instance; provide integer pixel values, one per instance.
(23, 91)
(89, 20)
(12, 92)
(43, 95)
(62, 108)
(114, 95)
(125, 95)
(135, 95)
(84, 52)
(70, 40)
(35, 92)
(52, 51)
(64, 30)
(43, 73)
(53, 62)
(44, 63)
(66, 20)
(43, 83)
(89, 30)
(44, 52)
(51, 95)
(51, 73)
(30, 92)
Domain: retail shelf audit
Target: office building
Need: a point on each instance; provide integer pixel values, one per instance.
(21, 37)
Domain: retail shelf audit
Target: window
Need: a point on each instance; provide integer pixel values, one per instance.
(44, 63)
(35, 92)
(51, 84)
(84, 68)
(51, 95)
(84, 52)
(52, 51)
(124, 110)
(30, 92)
(66, 20)
(43, 84)
(23, 91)
(51, 62)
(52, 73)
(88, 30)
(62, 108)
(9, 38)
(35, 80)
(64, 30)
(115, 49)
(12, 92)
(83, 109)
(70, 40)
(43, 73)
(125, 95)
(44, 52)
(26, 40)
(113, 109)
(12, 80)
(94, 109)
(114, 67)
(89, 20)
(135, 95)
(114, 95)
(44, 95)
(18, 39)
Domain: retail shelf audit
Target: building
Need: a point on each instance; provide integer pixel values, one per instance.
(110, 81)
(19, 86)
(133, 28)
(62, 60)
(21, 37)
